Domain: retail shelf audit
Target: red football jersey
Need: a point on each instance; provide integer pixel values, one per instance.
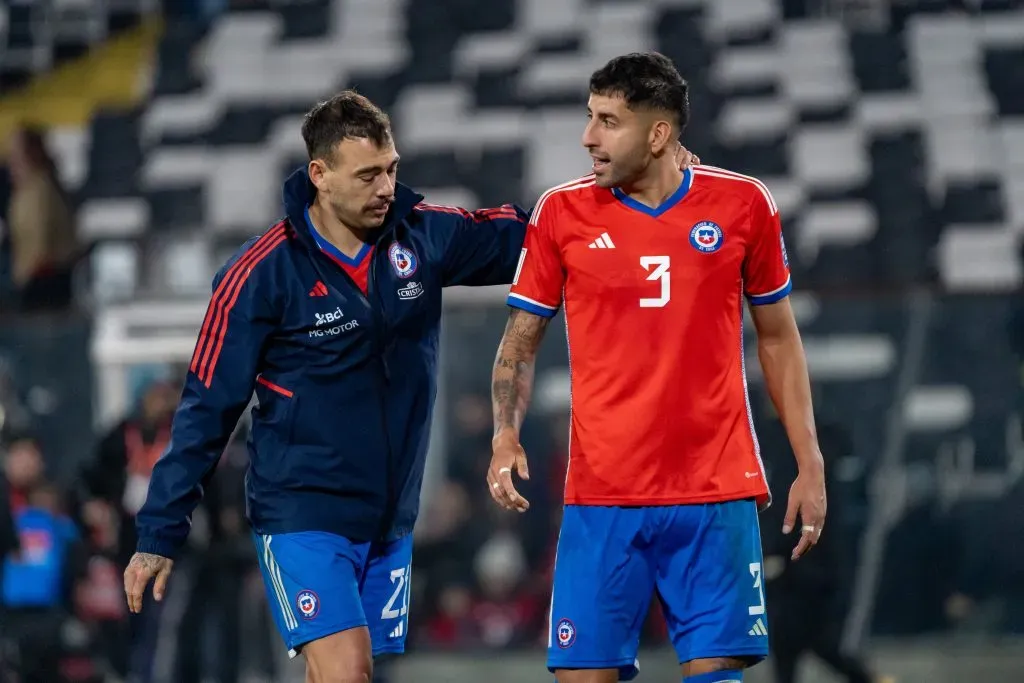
(653, 307)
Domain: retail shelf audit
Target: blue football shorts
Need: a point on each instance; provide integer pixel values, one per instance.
(702, 561)
(320, 583)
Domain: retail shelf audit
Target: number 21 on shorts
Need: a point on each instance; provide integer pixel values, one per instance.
(398, 605)
(657, 271)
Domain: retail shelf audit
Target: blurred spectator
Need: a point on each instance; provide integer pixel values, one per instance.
(8, 536)
(37, 582)
(209, 627)
(24, 468)
(447, 536)
(5, 236)
(452, 626)
(470, 443)
(508, 612)
(806, 599)
(986, 572)
(41, 223)
(14, 415)
(115, 483)
(117, 478)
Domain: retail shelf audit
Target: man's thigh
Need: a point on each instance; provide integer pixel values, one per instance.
(385, 594)
(312, 584)
(604, 579)
(710, 582)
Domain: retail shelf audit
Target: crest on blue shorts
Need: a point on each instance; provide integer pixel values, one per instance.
(565, 633)
(308, 603)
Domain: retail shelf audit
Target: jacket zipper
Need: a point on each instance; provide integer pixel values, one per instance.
(385, 375)
(371, 286)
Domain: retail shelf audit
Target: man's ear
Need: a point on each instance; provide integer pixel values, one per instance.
(316, 169)
(662, 140)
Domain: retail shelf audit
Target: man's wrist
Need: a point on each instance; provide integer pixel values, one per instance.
(505, 434)
(810, 461)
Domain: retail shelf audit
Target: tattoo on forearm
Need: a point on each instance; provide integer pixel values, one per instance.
(512, 379)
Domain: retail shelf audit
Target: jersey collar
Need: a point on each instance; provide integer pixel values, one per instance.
(330, 249)
(674, 198)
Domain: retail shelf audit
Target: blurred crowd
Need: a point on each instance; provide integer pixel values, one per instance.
(481, 575)
(66, 546)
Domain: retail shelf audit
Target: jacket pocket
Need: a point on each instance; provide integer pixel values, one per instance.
(273, 416)
(274, 387)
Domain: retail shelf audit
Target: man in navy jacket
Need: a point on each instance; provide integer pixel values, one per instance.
(332, 317)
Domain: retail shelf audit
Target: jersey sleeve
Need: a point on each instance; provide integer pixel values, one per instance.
(539, 277)
(766, 277)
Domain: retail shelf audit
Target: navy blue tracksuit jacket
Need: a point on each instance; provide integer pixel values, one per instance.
(345, 382)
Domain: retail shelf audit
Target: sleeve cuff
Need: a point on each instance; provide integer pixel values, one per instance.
(531, 305)
(158, 546)
(773, 296)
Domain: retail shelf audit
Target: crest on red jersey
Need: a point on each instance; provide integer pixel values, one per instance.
(706, 237)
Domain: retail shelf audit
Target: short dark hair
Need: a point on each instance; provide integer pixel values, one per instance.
(646, 80)
(346, 115)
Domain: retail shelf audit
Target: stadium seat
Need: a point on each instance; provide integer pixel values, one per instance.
(892, 142)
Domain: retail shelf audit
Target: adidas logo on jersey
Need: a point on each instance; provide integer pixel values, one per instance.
(759, 629)
(603, 242)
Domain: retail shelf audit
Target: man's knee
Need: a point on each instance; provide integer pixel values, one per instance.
(587, 675)
(340, 677)
(345, 657)
(339, 670)
(702, 670)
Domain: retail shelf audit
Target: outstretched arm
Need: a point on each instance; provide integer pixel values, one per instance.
(217, 389)
(481, 247)
(511, 387)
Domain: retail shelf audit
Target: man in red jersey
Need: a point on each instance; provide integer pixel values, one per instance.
(651, 264)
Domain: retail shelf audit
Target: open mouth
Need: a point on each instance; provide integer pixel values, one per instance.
(600, 163)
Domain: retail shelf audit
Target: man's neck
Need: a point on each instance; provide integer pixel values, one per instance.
(660, 181)
(348, 241)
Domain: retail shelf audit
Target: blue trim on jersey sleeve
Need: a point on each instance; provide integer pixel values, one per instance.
(773, 297)
(332, 250)
(674, 199)
(529, 307)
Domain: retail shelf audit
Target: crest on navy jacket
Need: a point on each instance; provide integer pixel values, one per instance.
(402, 260)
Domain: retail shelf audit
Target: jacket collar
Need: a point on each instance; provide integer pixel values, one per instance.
(299, 192)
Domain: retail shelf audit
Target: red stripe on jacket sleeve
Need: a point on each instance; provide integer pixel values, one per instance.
(211, 338)
(219, 295)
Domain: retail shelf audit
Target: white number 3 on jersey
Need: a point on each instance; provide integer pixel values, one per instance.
(660, 273)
